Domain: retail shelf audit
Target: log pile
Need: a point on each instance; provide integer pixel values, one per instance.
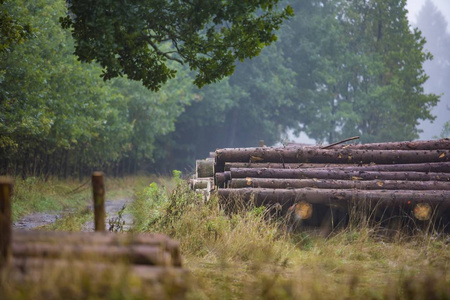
(414, 176)
(35, 255)
(151, 257)
(203, 181)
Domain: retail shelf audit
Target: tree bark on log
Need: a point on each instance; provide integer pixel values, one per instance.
(276, 183)
(442, 144)
(102, 238)
(440, 167)
(339, 156)
(35, 268)
(204, 168)
(337, 174)
(222, 178)
(202, 183)
(138, 254)
(270, 165)
(287, 197)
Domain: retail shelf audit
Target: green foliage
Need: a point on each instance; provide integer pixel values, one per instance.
(361, 70)
(12, 32)
(445, 133)
(58, 117)
(137, 38)
(339, 69)
(255, 103)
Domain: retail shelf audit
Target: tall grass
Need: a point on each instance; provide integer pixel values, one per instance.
(69, 199)
(250, 255)
(36, 195)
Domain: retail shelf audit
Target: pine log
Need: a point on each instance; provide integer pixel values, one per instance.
(287, 197)
(138, 254)
(337, 174)
(276, 183)
(442, 167)
(442, 144)
(270, 165)
(339, 156)
(204, 168)
(31, 268)
(222, 178)
(202, 183)
(102, 238)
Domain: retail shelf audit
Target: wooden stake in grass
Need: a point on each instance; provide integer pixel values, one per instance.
(6, 185)
(98, 188)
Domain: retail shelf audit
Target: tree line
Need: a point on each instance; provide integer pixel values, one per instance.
(339, 68)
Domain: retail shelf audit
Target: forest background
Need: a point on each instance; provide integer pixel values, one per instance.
(339, 68)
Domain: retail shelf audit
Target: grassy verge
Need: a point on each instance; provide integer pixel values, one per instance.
(248, 255)
(70, 198)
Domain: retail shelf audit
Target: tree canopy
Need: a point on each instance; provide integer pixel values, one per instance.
(11, 31)
(136, 38)
(340, 68)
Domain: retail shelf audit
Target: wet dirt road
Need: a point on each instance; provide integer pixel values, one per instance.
(112, 208)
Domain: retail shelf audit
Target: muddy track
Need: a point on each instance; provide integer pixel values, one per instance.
(112, 208)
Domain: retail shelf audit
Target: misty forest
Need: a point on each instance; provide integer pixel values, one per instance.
(200, 149)
(337, 69)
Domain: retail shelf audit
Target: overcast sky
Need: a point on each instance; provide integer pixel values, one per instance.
(414, 6)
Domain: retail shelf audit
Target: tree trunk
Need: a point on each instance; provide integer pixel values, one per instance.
(220, 179)
(443, 167)
(138, 254)
(101, 238)
(287, 197)
(339, 156)
(33, 270)
(204, 168)
(270, 165)
(442, 144)
(276, 183)
(337, 174)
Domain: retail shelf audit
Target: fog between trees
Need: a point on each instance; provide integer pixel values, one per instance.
(339, 68)
(433, 25)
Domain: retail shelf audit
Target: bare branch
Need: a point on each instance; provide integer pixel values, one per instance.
(165, 54)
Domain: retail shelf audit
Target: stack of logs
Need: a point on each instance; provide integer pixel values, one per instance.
(33, 255)
(414, 176)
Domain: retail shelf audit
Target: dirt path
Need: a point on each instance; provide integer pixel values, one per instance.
(35, 220)
(112, 208)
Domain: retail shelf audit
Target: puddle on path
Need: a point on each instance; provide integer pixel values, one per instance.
(112, 208)
(35, 220)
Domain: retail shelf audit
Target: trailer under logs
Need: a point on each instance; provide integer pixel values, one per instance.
(399, 182)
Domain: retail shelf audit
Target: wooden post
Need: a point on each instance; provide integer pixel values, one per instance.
(98, 188)
(6, 185)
